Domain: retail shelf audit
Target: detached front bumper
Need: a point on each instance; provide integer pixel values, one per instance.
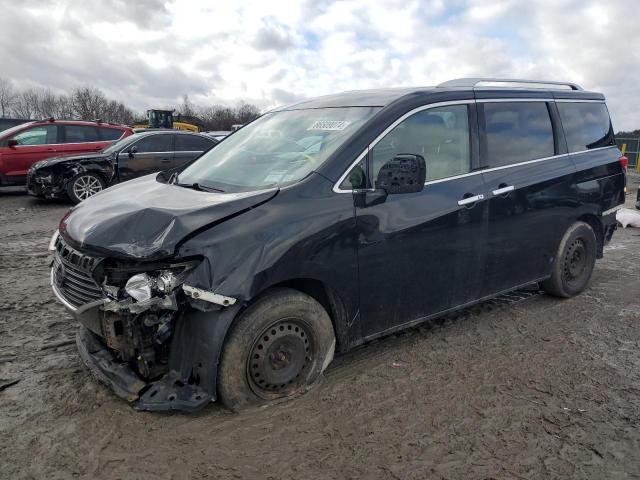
(168, 393)
(103, 364)
(44, 186)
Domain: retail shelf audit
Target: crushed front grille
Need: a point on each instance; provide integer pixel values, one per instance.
(72, 275)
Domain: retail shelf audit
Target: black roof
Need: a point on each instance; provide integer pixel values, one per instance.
(385, 96)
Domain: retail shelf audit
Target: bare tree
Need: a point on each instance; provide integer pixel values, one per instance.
(64, 107)
(27, 103)
(220, 117)
(187, 108)
(246, 113)
(47, 104)
(88, 103)
(7, 97)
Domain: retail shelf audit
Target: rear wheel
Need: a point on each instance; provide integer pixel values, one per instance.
(84, 185)
(277, 349)
(574, 262)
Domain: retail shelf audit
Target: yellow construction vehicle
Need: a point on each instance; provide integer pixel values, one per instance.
(164, 119)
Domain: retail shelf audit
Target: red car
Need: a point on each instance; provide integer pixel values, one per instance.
(25, 144)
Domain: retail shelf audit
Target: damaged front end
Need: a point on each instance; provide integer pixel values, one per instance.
(152, 338)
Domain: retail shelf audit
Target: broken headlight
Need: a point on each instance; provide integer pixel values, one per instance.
(144, 286)
(139, 287)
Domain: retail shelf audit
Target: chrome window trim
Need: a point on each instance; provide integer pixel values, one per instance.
(592, 150)
(512, 100)
(577, 100)
(150, 153)
(493, 169)
(336, 186)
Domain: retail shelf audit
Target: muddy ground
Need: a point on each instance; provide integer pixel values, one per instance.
(514, 388)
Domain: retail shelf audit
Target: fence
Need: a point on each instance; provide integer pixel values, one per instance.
(631, 148)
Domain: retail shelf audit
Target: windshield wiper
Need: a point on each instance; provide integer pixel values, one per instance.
(199, 187)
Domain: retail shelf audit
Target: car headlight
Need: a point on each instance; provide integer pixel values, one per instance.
(139, 287)
(143, 286)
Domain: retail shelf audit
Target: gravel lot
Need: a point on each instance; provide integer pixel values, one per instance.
(525, 386)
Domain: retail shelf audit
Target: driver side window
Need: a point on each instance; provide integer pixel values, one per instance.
(440, 135)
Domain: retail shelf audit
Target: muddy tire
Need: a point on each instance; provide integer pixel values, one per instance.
(84, 185)
(573, 263)
(277, 349)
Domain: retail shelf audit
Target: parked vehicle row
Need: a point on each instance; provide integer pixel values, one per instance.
(23, 145)
(329, 223)
(80, 176)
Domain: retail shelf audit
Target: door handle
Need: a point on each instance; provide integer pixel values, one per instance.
(503, 189)
(165, 160)
(469, 200)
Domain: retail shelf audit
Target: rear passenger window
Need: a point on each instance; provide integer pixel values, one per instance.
(517, 132)
(440, 135)
(154, 144)
(192, 143)
(586, 125)
(80, 134)
(110, 134)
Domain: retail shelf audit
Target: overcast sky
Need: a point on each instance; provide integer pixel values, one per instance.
(148, 53)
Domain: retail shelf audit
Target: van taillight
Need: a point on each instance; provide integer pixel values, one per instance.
(624, 161)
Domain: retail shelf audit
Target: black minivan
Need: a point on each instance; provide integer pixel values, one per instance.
(331, 222)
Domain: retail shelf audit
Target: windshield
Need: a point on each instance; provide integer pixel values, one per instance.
(116, 147)
(277, 149)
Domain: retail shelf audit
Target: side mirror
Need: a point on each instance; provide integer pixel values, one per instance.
(12, 142)
(405, 173)
(133, 150)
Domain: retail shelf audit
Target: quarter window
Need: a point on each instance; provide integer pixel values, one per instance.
(192, 143)
(517, 132)
(42, 135)
(586, 125)
(110, 134)
(440, 135)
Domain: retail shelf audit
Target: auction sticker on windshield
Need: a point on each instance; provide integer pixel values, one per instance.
(329, 125)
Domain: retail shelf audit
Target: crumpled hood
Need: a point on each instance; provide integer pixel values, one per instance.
(146, 219)
(68, 158)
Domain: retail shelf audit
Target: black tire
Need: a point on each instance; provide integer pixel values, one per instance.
(296, 335)
(573, 263)
(85, 185)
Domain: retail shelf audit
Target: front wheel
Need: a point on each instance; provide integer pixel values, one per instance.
(573, 263)
(277, 349)
(84, 185)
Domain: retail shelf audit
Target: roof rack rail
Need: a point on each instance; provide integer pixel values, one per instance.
(474, 82)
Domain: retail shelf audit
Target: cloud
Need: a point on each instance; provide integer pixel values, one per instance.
(149, 53)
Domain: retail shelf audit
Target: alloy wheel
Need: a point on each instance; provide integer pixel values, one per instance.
(85, 186)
